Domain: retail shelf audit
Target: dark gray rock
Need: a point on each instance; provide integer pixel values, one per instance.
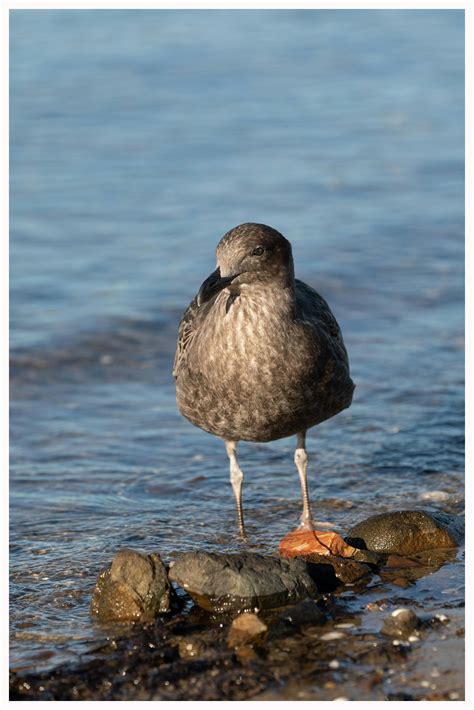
(241, 582)
(406, 532)
(134, 588)
(306, 612)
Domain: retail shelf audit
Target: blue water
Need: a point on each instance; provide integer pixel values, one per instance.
(137, 139)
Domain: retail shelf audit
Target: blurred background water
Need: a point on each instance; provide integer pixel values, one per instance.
(137, 139)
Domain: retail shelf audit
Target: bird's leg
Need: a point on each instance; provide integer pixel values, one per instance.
(301, 461)
(236, 479)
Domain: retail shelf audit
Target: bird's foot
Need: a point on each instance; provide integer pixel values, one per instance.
(243, 536)
(306, 524)
(314, 525)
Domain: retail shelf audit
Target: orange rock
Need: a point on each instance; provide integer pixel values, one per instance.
(301, 543)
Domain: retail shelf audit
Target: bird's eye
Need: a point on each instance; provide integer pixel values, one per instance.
(258, 251)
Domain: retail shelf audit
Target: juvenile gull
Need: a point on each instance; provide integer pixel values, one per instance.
(260, 356)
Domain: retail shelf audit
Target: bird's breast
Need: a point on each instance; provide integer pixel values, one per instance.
(252, 338)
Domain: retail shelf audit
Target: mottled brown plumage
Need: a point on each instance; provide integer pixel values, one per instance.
(260, 356)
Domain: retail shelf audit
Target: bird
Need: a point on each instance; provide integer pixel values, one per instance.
(259, 354)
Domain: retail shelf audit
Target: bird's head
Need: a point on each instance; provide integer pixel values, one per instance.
(255, 253)
(249, 254)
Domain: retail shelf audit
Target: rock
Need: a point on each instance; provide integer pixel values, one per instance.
(221, 582)
(190, 648)
(401, 582)
(329, 556)
(305, 613)
(406, 532)
(246, 654)
(247, 629)
(345, 571)
(368, 557)
(301, 543)
(399, 562)
(134, 588)
(417, 565)
(401, 623)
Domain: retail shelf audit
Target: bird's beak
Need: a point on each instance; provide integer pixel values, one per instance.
(212, 285)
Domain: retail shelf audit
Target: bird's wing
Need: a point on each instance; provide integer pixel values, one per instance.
(190, 323)
(186, 330)
(312, 307)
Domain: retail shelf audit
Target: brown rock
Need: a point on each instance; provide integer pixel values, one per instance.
(346, 571)
(406, 532)
(401, 582)
(399, 562)
(328, 555)
(247, 629)
(401, 623)
(134, 588)
(190, 648)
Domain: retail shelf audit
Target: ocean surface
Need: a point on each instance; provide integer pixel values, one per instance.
(137, 138)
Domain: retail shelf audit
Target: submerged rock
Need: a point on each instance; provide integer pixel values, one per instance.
(190, 648)
(346, 571)
(307, 612)
(406, 532)
(401, 623)
(134, 588)
(246, 629)
(225, 582)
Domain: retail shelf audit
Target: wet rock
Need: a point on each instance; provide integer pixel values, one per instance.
(332, 559)
(134, 588)
(399, 562)
(368, 557)
(406, 532)
(301, 543)
(247, 629)
(247, 654)
(324, 569)
(305, 612)
(190, 648)
(241, 582)
(401, 623)
(401, 582)
(418, 565)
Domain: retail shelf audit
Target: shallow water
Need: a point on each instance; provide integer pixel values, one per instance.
(138, 139)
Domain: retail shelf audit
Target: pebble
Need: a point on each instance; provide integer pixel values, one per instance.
(401, 622)
(332, 636)
(380, 605)
(190, 648)
(247, 628)
(434, 495)
(334, 664)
